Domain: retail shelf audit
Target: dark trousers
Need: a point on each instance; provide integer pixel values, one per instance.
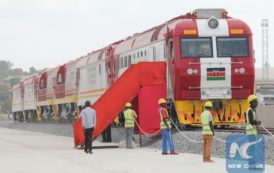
(88, 139)
(107, 134)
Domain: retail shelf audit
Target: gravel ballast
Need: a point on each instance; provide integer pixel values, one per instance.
(182, 145)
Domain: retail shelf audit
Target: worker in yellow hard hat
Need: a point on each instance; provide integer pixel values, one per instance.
(251, 122)
(165, 125)
(207, 131)
(130, 116)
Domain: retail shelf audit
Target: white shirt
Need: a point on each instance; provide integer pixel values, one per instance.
(88, 118)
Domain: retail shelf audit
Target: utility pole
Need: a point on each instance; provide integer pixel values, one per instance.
(265, 61)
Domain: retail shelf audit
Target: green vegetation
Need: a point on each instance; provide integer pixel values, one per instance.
(8, 78)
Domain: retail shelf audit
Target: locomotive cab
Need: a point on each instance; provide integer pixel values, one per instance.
(213, 60)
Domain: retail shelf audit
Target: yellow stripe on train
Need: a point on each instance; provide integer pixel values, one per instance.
(232, 112)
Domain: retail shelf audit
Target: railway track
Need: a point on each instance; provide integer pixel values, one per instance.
(242, 130)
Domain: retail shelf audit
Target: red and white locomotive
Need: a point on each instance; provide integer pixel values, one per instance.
(209, 56)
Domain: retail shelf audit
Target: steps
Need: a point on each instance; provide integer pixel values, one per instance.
(138, 78)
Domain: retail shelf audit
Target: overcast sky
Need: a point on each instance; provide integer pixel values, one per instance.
(46, 33)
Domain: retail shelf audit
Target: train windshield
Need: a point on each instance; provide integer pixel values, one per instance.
(196, 47)
(232, 47)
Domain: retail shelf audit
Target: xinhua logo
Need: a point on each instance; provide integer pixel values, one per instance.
(245, 154)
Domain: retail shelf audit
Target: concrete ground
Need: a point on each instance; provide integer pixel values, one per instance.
(30, 152)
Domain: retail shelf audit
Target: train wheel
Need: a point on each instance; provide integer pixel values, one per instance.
(21, 117)
(223, 126)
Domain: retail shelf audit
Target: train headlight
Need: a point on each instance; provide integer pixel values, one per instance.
(213, 23)
(242, 70)
(236, 70)
(189, 71)
(195, 71)
(204, 92)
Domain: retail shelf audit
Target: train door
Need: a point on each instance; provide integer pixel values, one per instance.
(109, 65)
(152, 54)
(101, 75)
(170, 56)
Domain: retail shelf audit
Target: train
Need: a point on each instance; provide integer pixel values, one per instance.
(209, 56)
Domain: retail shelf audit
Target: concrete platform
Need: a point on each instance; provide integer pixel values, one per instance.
(30, 152)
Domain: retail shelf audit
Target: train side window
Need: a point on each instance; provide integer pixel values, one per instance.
(121, 62)
(125, 61)
(99, 69)
(137, 54)
(161, 51)
(141, 53)
(60, 78)
(109, 64)
(171, 49)
(154, 53)
(165, 52)
(145, 53)
(129, 60)
(134, 56)
(42, 84)
(114, 64)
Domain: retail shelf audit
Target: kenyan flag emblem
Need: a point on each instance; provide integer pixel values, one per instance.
(214, 74)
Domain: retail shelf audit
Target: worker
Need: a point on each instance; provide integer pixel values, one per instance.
(88, 122)
(165, 125)
(252, 126)
(207, 131)
(251, 122)
(130, 116)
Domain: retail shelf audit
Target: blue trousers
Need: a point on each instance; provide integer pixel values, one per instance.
(129, 132)
(167, 140)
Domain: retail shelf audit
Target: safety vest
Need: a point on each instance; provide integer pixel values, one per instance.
(205, 123)
(129, 120)
(162, 124)
(250, 129)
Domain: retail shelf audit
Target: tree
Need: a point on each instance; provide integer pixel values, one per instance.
(17, 71)
(32, 70)
(14, 81)
(6, 105)
(4, 93)
(5, 67)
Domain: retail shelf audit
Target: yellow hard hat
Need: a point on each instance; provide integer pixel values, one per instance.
(128, 104)
(208, 104)
(251, 98)
(161, 101)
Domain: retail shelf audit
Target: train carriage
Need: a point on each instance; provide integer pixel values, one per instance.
(45, 94)
(29, 99)
(98, 74)
(17, 101)
(65, 90)
(93, 78)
